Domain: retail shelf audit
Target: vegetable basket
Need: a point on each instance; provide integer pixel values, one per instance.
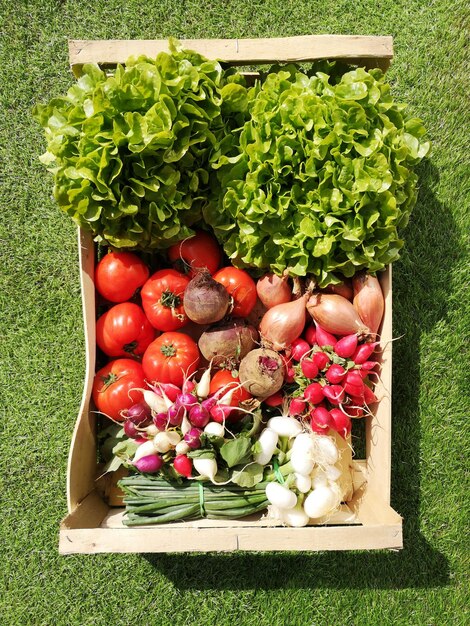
(366, 521)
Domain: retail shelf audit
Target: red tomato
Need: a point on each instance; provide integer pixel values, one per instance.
(119, 274)
(115, 387)
(171, 358)
(225, 378)
(241, 287)
(124, 330)
(162, 299)
(196, 252)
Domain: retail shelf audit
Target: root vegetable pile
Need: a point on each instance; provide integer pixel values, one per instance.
(253, 409)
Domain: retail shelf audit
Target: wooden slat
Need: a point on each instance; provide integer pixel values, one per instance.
(82, 457)
(87, 514)
(239, 51)
(188, 539)
(379, 428)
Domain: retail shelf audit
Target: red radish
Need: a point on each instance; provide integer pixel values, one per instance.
(183, 465)
(297, 406)
(355, 411)
(221, 412)
(353, 384)
(323, 337)
(149, 464)
(368, 365)
(188, 386)
(130, 429)
(290, 375)
(299, 348)
(335, 373)
(186, 400)
(161, 420)
(341, 422)
(310, 334)
(193, 438)
(369, 395)
(309, 369)
(368, 300)
(336, 315)
(321, 360)
(313, 393)
(334, 393)
(363, 352)
(319, 430)
(171, 391)
(346, 346)
(284, 323)
(199, 416)
(175, 414)
(273, 290)
(321, 418)
(275, 400)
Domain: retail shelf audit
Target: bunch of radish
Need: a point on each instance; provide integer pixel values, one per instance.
(333, 379)
(305, 487)
(170, 421)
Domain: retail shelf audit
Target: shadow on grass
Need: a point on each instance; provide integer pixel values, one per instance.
(421, 283)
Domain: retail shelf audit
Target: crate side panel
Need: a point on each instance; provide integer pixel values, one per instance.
(240, 51)
(81, 468)
(379, 427)
(155, 540)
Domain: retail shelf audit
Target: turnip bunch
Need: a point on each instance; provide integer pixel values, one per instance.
(304, 484)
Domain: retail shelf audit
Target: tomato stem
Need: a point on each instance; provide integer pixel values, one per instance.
(168, 349)
(130, 347)
(170, 300)
(108, 380)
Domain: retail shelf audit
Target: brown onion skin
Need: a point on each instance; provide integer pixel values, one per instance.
(228, 340)
(368, 300)
(283, 323)
(344, 288)
(205, 301)
(273, 290)
(336, 315)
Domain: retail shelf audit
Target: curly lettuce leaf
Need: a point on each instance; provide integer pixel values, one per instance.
(321, 179)
(130, 151)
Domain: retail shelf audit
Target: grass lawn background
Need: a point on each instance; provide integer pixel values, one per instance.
(42, 347)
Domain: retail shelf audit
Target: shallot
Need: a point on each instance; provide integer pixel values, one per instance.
(273, 290)
(284, 323)
(368, 300)
(336, 315)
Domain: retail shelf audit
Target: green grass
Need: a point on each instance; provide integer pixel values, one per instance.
(42, 349)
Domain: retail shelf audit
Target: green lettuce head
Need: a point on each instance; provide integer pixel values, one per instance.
(323, 179)
(130, 150)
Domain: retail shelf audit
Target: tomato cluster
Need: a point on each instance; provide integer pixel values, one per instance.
(143, 328)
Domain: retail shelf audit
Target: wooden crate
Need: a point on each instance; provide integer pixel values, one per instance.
(366, 521)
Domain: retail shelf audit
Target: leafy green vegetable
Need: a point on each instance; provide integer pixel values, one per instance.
(130, 151)
(236, 451)
(322, 178)
(115, 447)
(248, 476)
